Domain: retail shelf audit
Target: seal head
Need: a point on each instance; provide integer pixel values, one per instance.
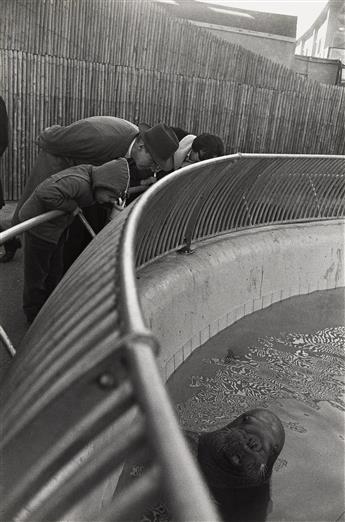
(242, 453)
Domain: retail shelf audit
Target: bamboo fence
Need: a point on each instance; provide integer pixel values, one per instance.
(62, 60)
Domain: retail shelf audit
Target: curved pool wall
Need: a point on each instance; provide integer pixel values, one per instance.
(186, 299)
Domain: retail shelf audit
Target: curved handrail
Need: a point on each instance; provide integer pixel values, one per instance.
(33, 222)
(5, 235)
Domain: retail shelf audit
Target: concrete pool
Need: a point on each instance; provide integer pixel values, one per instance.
(289, 358)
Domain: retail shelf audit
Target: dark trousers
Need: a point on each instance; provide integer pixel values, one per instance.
(43, 269)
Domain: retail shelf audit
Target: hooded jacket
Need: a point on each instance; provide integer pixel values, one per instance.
(71, 188)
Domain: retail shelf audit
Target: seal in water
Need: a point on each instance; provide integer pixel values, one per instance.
(237, 462)
(242, 453)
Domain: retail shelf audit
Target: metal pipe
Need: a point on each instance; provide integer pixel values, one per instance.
(28, 224)
(113, 407)
(278, 156)
(7, 342)
(86, 224)
(37, 220)
(90, 474)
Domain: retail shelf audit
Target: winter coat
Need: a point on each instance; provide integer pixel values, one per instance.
(71, 188)
(94, 141)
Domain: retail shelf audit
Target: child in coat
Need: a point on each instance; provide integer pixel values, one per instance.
(69, 190)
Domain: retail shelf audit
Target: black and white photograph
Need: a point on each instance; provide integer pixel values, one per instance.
(172, 274)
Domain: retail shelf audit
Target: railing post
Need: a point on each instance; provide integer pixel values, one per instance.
(7, 342)
(191, 226)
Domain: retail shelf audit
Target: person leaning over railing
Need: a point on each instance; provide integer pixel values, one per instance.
(95, 141)
(70, 190)
(192, 149)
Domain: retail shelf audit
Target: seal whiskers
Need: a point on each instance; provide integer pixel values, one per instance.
(242, 453)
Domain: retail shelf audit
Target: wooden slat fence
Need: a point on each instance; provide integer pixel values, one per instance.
(62, 60)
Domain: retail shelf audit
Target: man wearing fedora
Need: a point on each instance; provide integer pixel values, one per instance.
(191, 149)
(95, 141)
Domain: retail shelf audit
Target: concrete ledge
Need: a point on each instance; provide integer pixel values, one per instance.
(188, 299)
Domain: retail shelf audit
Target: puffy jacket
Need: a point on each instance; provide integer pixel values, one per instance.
(71, 188)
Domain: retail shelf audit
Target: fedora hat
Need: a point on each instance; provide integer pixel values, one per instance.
(161, 142)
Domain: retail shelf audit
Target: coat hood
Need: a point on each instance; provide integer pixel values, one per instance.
(113, 176)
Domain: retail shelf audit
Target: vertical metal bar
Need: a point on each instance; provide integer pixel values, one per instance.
(7, 342)
(86, 224)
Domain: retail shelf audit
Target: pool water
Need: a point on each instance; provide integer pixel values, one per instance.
(288, 358)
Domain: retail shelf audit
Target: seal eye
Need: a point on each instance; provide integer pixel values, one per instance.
(245, 418)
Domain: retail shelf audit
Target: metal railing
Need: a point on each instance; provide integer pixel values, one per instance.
(5, 235)
(86, 368)
(238, 191)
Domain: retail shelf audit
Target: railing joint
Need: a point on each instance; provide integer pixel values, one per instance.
(186, 250)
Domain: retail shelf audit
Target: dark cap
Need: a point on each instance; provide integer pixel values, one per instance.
(161, 142)
(113, 176)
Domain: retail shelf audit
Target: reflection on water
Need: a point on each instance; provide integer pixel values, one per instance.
(307, 368)
(299, 376)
